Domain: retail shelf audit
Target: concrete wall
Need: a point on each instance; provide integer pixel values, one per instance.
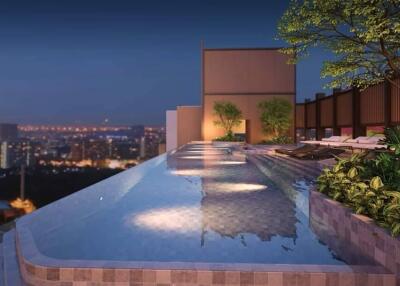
(188, 124)
(171, 130)
(245, 77)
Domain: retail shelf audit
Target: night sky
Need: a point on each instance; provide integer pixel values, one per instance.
(71, 62)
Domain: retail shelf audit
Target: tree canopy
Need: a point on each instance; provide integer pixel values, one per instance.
(228, 115)
(363, 35)
(275, 116)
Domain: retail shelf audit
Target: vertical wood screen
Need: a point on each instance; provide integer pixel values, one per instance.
(372, 105)
(395, 102)
(311, 115)
(345, 109)
(326, 112)
(300, 119)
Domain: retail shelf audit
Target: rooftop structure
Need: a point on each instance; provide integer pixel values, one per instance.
(244, 77)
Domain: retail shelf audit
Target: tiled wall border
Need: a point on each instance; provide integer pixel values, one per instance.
(357, 230)
(168, 274)
(43, 276)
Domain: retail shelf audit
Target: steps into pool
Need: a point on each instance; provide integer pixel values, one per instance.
(291, 168)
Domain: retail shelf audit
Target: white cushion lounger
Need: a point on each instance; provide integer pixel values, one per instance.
(357, 139)
(371, 140)
(367, 146)
(330, 141)
(335, 139)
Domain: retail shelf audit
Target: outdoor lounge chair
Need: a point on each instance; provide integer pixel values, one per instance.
(320, 153)
(330, 141)
(365, 143)
(301, 149)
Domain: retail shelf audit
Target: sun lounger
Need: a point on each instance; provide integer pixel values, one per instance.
(357, 139)
(366, 146)
(320, 153)
(301, 149)
(362, 142)
(330, 141)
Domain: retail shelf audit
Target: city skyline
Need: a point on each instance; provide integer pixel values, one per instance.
(80, 62)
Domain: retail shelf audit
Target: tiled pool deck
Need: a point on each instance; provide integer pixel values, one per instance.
(39, 269)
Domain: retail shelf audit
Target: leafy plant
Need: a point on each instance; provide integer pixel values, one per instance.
(363, 37)
(387, 167)
(229, 116)
(368, 186)
(276, 116)
(392, 139)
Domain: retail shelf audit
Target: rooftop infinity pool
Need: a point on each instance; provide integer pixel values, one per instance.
(201, 204)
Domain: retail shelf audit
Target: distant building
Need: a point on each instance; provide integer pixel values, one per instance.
(142, 147)
(153, 136)
(123, 150)
(16, 153)
(77, 151)
(8, 132)
(161, 148)
(171, 129)
(136, 131)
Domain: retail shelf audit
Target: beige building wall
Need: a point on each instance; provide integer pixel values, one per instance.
(248, 104)
(188, 124)
(245, 77)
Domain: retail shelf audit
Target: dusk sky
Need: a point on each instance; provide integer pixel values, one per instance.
(69, 62)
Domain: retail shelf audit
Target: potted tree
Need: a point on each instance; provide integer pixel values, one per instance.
(276, 119)
(229, 116)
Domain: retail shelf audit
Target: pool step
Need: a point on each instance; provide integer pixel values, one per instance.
(287, 173)
(289, 169)
(11, 271)
(309, 168)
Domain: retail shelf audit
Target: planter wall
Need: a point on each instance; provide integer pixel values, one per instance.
(349, 234)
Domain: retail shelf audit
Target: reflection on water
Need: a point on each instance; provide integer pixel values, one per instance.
(217, 188)
(234, 205)
(180, 219)
(264, 214)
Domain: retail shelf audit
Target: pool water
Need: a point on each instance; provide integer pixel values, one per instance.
(198, 204)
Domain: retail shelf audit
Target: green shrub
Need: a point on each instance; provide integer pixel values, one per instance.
(368, 186)
(230, 137)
